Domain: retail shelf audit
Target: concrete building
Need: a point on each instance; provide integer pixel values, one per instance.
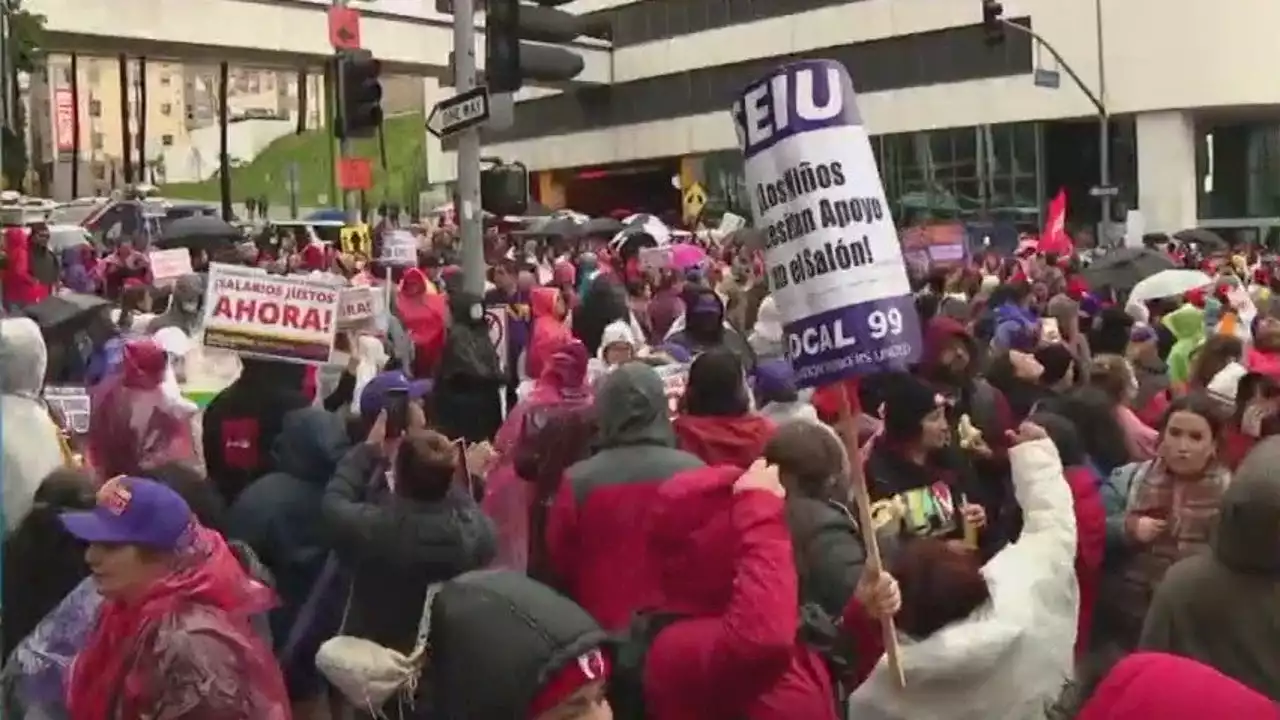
(1195, 132)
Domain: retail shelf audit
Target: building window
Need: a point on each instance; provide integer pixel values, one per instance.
(1238, 170)
(95, 108)
(166, 140)
(165, 79)
(99, 171)
(96, 140)
(166, 109)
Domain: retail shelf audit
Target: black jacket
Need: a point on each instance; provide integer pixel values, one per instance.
(828, 550)
(496, 638)
(241, 424)
(394, 547)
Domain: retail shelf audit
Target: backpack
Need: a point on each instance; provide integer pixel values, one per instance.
(628, 651)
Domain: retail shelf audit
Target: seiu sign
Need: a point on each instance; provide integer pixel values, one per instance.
(799, 97)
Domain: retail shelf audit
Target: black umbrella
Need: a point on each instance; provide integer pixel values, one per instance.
(1121, 269)
(555, 227)
(1206, 239)
(199, 232)
(66, 311)
(601, 227)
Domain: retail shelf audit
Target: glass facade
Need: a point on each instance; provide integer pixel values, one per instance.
(1238, 170)
(988, 173)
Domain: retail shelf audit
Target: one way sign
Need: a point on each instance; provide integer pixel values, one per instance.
(462, 111)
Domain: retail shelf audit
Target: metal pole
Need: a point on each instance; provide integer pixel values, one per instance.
(4, 69)
(1104, 132)
(350, 201)
(470, 217)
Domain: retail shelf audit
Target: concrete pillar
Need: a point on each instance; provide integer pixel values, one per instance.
(1167, 180)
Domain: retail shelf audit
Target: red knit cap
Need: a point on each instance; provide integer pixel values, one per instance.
(591, 666)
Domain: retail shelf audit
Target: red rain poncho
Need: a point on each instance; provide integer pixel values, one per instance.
(508, 498)
(134, 424)
(184, 649)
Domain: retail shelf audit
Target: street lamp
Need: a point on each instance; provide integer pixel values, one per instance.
(995, 24)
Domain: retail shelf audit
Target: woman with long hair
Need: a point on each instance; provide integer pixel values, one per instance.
(1160, 511)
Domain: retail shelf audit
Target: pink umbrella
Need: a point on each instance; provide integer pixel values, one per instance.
(685, 256)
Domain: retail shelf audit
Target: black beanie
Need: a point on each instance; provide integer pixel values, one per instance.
(716, 386)
(1056, 359)
(907, 400)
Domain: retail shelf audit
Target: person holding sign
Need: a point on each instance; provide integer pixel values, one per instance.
(988, 641)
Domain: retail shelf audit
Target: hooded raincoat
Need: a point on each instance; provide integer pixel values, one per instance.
(1222, 607)
(1187, 325)
(31, 442)
(425, 316)
(597, 521)
(185, 649)
(184, 307)
(278, 515)
(549, 331)
(1010, 657)
(134, 423)
(724, 566)
(508, 498)
(1147, 685)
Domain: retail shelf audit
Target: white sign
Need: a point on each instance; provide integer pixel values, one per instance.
(832, 254)
(293, 318)
(459, 112)
(400, 247)
(169, 265)
(72, 405)
(675, 378)
(358, 305)
(497, 319)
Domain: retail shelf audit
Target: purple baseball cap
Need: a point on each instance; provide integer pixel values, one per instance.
(133, 511)
(373, 398)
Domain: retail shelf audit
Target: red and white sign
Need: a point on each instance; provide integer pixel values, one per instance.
(65, 133)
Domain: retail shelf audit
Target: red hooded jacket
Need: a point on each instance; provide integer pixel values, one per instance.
(425, 317)
(721, 440)
(598, 521)
(1144, 686)
(549, 331)
(20, 286)
(724, 561)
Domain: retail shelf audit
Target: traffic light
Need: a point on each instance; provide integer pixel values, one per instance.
(510, 62)
(360, 109)
(993, 22)
(504, 189)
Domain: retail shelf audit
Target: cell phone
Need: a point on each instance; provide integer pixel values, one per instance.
(397, 412)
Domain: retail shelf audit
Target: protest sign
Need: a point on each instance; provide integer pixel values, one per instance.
(358, 306)
(832, 257)
(400, 248)
(831, 251)
(291, 318)
(497, 319)
(675, 378)
(71, 405)
(169, 265)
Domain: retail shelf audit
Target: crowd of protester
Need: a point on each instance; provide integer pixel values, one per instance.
(1073, 499)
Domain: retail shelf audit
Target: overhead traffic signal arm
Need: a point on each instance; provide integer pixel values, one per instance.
(509, 61)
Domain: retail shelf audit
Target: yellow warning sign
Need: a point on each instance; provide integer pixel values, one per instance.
(695, 200)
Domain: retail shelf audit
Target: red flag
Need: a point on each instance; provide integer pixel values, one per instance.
(1054, 238)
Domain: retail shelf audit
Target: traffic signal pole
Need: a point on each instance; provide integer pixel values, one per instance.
(350, 199)
(467, 196)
